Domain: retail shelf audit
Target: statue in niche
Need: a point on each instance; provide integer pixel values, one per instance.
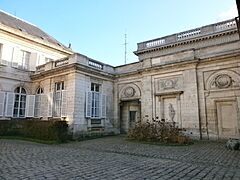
(171, 112)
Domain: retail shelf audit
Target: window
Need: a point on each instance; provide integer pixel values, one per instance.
(20, 102)
(59, 87)
(38, 101)
(24, 59)
(95, 102)
(132, 116)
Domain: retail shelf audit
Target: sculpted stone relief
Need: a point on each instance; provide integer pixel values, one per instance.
(169, 84)
(223, 80)
(130, 91)
(171, 112)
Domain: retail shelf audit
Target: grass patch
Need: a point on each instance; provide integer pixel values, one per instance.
(30, 139)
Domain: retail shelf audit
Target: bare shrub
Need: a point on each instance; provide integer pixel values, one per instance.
(158, 131)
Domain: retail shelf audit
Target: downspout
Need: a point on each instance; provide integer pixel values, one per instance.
(197, 84)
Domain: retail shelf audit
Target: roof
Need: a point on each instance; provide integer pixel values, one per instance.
(26, 27)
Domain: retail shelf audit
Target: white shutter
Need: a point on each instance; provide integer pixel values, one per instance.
(33, 61)
(104, 110)
(43, 105)
(50, 104)
(10, 104)
(99, 107)
(64, 104)
(2, 99)
(88, 104)
(30, 102)
(16, 57)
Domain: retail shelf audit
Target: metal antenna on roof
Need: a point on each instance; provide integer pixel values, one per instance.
(125, 46)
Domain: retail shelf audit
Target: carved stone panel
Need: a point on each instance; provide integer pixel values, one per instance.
(169, 84)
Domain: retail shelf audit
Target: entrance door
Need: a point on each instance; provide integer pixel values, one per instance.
(129, 115)
(227, 119)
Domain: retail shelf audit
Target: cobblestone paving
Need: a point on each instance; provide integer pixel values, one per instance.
(115, 158)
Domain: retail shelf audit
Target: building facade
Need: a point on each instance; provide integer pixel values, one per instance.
(191, 78)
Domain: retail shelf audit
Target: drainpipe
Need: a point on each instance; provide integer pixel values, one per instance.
(237, 18)
(197, 84)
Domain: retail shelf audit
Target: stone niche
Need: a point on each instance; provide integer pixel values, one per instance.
(168, 91)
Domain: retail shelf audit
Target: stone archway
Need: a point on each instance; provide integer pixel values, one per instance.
(130, 106)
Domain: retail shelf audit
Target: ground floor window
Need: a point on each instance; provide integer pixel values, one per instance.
(19, 102)
(60, 100)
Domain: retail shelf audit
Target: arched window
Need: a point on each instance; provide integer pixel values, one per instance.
(38, 102)
(20, 102)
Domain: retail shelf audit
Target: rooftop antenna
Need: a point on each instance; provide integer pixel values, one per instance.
(125, 46)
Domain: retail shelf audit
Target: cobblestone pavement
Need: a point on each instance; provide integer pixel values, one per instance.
(115, 158)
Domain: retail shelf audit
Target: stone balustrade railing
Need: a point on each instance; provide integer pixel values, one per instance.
(40, 68)
(198, 32)
(61, 62)
(75, 59)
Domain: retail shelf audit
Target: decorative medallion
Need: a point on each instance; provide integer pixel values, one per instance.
(223, 81)
(129, 92)
(169, 84)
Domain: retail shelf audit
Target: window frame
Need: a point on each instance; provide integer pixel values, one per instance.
(38, 102)
(57, 101)
(20, 100)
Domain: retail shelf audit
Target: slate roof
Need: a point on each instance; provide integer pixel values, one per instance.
(26, 27)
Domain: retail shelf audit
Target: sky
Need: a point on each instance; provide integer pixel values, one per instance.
(97, 28)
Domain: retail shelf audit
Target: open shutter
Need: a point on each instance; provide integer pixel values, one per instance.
(2, 99)
(88, 104)
(10, 104)
(30, 102)
(104, 110)
(33, 61)
(50, 104)
(43, 105)
(99, 106)
(64, 104)
(16, 57)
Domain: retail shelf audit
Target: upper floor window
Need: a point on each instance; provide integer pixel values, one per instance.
(24, 59)
(20, 102)
(95, 87)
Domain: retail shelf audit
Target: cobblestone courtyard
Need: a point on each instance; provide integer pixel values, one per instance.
(115, 158)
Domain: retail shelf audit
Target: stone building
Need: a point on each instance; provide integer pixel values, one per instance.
(191, 78)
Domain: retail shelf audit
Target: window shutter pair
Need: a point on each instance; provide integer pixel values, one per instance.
(102, 105)
(30, 103)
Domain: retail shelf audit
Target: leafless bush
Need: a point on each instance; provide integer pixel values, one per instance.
(158, 131)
